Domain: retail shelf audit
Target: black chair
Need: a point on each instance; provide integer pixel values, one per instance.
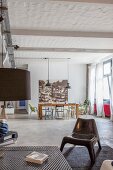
(85, 134)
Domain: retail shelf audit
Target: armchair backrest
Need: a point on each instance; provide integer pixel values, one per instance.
(86, 126)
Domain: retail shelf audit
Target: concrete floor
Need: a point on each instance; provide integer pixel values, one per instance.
(33, 132)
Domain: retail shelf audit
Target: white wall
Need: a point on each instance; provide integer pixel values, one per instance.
(58, 71)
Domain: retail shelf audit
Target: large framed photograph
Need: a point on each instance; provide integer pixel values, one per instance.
(57, 92)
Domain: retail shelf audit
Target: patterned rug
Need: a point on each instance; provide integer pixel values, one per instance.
(78, 157)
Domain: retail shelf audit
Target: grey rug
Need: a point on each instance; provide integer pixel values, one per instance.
(78, 157)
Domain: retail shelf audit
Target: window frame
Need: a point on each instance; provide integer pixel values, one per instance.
(105, 62)
(107, 75)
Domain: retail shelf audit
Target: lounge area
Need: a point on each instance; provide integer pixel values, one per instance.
(56, 85)
(51, 133)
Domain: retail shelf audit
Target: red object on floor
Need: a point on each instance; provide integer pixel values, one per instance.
(106, 109)
(95, 108)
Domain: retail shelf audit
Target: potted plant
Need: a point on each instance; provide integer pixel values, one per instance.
(86, 105)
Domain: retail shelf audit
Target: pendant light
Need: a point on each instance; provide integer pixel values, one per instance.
(68, 85)
(48, 83)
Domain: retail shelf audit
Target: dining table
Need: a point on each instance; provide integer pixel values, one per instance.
(41, 105)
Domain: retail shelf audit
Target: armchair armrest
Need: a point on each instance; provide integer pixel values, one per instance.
(9, 138)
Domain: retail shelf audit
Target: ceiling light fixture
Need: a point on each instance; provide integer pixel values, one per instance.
(68, 85)
(14, 46)
(48, 83)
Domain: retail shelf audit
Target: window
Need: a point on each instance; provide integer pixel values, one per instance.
(107, 68)
(106, 87)
(107, 79)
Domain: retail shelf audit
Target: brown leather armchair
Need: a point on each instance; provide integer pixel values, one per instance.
(85, 133)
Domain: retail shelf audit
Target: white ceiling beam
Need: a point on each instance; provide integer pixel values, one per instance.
(61, 33)
(89, 1)
(71, 50)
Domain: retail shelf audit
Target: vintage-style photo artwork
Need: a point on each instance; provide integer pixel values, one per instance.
(57, 92)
